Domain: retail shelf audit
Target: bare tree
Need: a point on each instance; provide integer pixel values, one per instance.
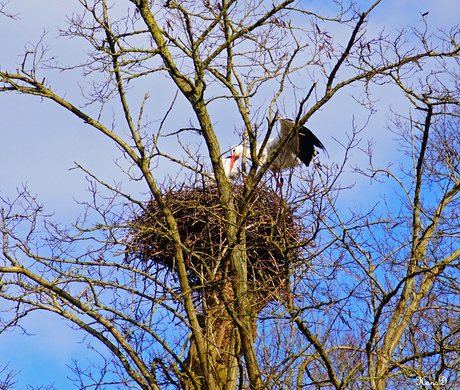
(349, 299)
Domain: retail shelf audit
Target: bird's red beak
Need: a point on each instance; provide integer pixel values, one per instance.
(233, 158)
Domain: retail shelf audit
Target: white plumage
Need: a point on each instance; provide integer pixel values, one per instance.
(300, 149)
(232, 167)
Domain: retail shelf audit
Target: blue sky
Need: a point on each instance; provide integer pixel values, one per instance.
(40, 142)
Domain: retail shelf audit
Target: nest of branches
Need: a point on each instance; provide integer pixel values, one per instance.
(270, 233)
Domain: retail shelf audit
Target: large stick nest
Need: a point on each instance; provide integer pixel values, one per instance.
(270, 234)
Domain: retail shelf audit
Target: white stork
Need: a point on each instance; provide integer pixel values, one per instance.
(232, 167)
(300, 149)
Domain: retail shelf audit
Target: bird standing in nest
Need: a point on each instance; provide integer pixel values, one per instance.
(301, 148)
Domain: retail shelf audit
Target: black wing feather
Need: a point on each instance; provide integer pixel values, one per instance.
(307, 143)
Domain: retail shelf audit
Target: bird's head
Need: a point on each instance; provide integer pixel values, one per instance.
(237, 152)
